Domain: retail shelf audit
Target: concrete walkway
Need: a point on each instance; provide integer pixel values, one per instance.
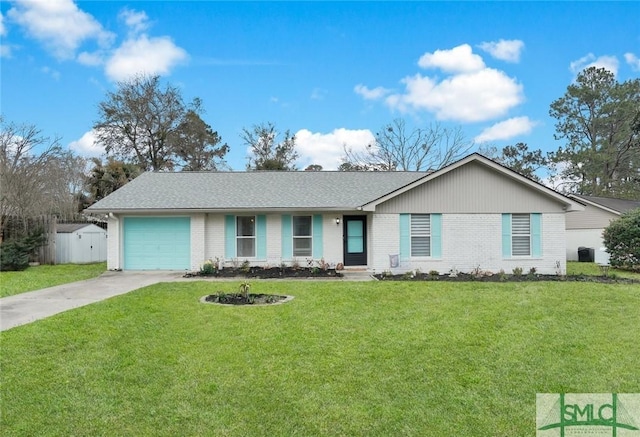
(35, 305)
(39, 304)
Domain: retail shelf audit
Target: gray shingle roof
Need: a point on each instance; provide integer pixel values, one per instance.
(253, 190)
(620, 205)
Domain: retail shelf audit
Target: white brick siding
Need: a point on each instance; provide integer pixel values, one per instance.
(332, 238)
(113, 242)
(469, 241)
(214, 236)
(274, 240)
(197, 241)
(384, 230)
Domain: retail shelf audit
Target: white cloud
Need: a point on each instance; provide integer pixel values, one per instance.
(370, 94)
(91, 59)
(506, 129)
(136, 21)
(86, 146)
(459, 59)
(144, 55)
(471, 91)
(3, 29)
(505, 50)
(469, 97)
(318, 94)
(633, 61)
(327, 149)
(59, 25)
(55, 74)
(609, 62)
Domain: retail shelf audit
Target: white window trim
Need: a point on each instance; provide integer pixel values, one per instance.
(294, 237)
(243, 237)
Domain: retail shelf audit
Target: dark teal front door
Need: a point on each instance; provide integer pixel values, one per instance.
(355, 240)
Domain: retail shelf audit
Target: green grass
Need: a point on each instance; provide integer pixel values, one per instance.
(593, 269)
(37, 277)
(341, 359)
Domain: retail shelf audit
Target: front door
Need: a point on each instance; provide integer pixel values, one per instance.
(355, 240)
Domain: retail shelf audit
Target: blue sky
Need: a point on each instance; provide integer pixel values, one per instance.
(332, 72)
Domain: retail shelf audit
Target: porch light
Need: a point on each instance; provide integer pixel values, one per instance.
(337, 221)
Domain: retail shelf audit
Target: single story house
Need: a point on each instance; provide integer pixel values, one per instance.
(79, 243)
(474, 213)
(584, 228)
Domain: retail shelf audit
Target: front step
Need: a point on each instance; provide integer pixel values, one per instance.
(356, 275)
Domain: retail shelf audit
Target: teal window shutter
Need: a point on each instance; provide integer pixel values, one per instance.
(317, 236)
(261, 236)
(506, 235)
(536, 235)
(405, 237)
(436, 236)
(229, 236)
(287, 239)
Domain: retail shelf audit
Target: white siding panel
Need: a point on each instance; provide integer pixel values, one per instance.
(590, 218)
(582, 237)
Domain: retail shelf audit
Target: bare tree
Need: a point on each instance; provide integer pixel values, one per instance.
(28, 161)
(398, 148)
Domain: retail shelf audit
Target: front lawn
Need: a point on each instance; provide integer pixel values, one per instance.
(38, 277)
(341, 359)
(593, 269)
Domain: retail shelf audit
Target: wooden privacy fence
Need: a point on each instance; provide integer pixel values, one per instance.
(20, 227)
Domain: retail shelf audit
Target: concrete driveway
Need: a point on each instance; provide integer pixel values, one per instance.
(35, 305)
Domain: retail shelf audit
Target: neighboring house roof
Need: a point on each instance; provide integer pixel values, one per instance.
(253, 190)
(265, 190)
(616, 206)
(68, 228)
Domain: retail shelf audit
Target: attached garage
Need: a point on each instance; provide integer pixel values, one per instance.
(157, 243)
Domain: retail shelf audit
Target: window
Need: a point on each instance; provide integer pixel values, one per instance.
(246, 236)
(420, 235)
(520, 235)
(302, 235)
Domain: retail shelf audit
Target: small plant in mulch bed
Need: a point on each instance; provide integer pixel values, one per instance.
(517, 276)
(244, 297)
(280, 272)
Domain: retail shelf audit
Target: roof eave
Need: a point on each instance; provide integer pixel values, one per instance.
(592, 203)
(217, 210)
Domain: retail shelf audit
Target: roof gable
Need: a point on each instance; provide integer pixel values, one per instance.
(505, 173)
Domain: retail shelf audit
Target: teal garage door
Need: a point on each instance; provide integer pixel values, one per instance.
(157, 243)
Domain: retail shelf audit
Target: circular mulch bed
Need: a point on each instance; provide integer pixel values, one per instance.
(241, 299)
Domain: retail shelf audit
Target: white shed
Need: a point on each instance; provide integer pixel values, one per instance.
(79, 243)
